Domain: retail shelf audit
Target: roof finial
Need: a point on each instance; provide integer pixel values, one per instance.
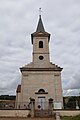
(40, 10)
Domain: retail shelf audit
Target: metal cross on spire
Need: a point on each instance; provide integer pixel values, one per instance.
(40, 10)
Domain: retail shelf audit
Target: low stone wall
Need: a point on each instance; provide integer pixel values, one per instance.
(67, 112)
(25, 113)
(14, 113)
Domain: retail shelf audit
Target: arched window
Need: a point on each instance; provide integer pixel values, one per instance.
(40, 44)
(41, 91)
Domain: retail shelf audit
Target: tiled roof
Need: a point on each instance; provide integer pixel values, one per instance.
(18, 89)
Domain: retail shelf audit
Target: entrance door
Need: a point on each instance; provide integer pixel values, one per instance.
(41, 102)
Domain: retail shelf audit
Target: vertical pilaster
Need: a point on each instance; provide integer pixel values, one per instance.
(32, 107)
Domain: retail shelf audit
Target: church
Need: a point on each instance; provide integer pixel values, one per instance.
(41, 79)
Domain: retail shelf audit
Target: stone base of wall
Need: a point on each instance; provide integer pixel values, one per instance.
(25, 113)
(14, 113)
(67, 112)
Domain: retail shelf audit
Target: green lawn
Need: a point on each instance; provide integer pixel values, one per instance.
(71, 118)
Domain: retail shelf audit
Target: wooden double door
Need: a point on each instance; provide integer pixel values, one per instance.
(42, 102)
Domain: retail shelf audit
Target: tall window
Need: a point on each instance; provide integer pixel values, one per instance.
(40, 44)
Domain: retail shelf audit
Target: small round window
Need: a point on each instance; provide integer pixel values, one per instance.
(41, 57)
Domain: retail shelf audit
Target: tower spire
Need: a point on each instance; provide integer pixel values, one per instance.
(40, 27)
(40, 31)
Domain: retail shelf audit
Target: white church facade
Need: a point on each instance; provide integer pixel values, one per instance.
(41, 79)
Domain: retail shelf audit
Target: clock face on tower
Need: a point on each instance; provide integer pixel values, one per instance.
(41, 57)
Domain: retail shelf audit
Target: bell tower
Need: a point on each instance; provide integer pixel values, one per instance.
(41, 79)
(40, 41)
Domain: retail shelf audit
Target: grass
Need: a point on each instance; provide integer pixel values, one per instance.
(71, 117)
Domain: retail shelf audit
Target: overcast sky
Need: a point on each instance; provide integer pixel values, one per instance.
(18, 19)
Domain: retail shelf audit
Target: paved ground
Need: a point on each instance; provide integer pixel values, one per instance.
(27, 119)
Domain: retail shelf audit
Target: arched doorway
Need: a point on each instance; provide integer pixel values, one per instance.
(41, 97)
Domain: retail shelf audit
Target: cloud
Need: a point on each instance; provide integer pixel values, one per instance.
(71, 92)
(74, 83)
(18, 19)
